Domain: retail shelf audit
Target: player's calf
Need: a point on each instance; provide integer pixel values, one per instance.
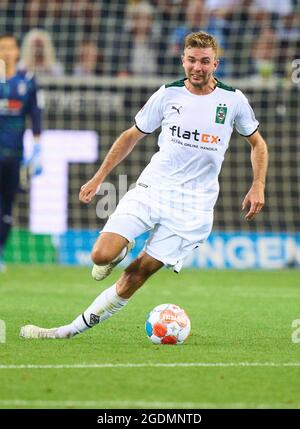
(135, 275)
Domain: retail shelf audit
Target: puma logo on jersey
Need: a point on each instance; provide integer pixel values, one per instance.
(198, 137)
(177, 109)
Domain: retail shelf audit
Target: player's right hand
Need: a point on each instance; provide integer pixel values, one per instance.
(88, 191)
(35, 163)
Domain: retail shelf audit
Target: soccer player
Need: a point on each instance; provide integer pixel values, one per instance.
(175, 194)
(18, 98)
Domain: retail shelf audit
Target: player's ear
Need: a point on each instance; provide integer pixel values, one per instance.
(216, 63)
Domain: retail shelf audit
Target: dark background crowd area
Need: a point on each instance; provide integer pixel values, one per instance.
(145, 38)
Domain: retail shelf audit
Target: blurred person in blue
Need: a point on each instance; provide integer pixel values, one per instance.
(18, 99)
(198, 18)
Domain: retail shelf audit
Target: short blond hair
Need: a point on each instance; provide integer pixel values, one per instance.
(201, 40)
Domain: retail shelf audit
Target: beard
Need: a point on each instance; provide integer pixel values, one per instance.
(202, 83)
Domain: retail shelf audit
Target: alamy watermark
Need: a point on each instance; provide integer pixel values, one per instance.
(296, 72)
(296, 332)
(2, 72)
(2, 331)
(110, 195)
(183, 204)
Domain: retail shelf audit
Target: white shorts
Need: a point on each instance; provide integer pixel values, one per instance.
(172, 235)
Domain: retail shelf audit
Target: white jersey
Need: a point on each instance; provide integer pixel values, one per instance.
(195, 133)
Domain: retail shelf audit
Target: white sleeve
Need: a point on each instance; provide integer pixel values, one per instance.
(245, 122)
(151, 114)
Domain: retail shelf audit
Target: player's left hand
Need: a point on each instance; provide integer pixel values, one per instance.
(255, 199)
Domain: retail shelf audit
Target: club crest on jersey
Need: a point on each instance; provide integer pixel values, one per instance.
(22, 88)
(221, 113)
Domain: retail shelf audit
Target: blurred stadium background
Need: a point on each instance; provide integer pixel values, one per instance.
(98, 61)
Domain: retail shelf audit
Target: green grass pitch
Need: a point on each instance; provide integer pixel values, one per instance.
(240, 353)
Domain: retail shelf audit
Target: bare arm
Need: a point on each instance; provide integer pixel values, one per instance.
(255, 198)
(119, 150)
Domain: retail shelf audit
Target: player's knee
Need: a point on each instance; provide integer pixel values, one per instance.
(102, 256)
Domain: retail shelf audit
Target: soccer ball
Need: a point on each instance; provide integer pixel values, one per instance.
(167, 324)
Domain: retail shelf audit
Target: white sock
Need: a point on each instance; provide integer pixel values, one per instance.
(104, 306)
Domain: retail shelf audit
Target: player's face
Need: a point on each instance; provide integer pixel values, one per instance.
(9, 51)
(199, 65)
